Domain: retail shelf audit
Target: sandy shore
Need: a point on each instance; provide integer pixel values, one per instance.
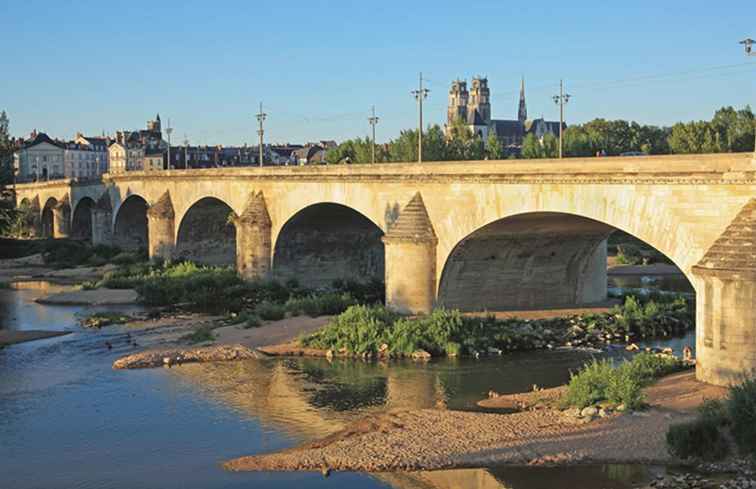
(435, 439)
(231, 342)
(13, 337)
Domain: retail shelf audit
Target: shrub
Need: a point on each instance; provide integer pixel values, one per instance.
(629, 254)
(252, 321)
(319, 305)
(589, 386)
(699, 438)
(124, 258)
(201, 334)
(742, 413)
(625, 386)
(714, 411)
(270, 311)
(359, 329)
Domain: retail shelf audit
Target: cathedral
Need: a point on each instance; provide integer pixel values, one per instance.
(474, 107)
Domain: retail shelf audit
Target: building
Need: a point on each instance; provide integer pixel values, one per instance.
(83, 161)
(99, 145)
(474, 108)
(39, 158)
(128, 151)
(153, 159)
(125, 156)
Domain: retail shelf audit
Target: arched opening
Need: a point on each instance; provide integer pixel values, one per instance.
(48, 221)
(326, 242)
(206, 234)
(81, 224)
(541, 260)
(130, 230)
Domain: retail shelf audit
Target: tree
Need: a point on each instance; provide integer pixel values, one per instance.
(531, 147)
(550, 146)
(494, 150)
(7, 210)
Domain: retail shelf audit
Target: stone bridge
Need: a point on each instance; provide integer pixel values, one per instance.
(486, 235)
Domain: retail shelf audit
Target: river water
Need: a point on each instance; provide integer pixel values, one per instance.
(67, 420)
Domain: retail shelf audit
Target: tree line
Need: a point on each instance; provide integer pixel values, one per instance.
(730, 130)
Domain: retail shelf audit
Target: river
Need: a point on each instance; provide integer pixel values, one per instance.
(67, 420)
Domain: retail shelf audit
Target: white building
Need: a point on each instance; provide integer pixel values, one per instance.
(125, 157)
(40, 158)
(100, 146)
(83, 162)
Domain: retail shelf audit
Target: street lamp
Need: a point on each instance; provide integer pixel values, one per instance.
(748, 45)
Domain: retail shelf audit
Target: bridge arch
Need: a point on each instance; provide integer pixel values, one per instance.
(81, 221)
(47, 219)
(528, 260)
(206, 233)
(327, 241)
(130, 229)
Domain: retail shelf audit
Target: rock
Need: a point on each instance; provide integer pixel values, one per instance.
(167, 361)
(572, 412)
(632, 347)
(493, 394)
(494, 351)
(421, 355)
(383, 350)
(620, 408)
(589, 412)
(329, 354)
(603, 413)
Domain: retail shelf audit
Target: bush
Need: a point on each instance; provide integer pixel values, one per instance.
(359, 329)
(320, 305)
(201, 334)
(699, 438)
(589, 386)
(629, 254)
(600, 380)
(252, 321)
(270, 311)
(125, 258)
(742, 413)
(714, 411)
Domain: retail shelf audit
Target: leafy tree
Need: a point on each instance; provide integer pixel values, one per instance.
(531, 147)
(6, 151)
(550, 146)
(494, 150)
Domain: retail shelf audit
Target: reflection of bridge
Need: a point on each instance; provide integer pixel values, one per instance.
(472, 235)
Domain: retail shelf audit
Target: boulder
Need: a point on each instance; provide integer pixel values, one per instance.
(421, 355)
(589, 412)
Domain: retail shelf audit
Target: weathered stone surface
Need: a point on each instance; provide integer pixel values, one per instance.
(253, 238)
(679, 204)
(161, 237)
(413, 224)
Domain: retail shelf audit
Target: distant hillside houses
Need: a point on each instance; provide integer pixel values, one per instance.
(473, 107)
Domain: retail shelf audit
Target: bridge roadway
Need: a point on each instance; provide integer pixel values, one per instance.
(473, 235)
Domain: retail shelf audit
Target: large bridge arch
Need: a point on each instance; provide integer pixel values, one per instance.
(130, 229)
(326, 241)
(81, 219)
(47, 218)
(206, 233)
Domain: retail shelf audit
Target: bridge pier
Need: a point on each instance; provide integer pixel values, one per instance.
(160, 217)
(726, 304)
(410, 247)
(102, 222)
(61, 219)
(253, 239)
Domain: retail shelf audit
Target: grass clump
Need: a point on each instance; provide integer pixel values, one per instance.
(741, 406)
(699, 438)
(201, 334)
(100, 319)
(601, 380)
(315, 305)
(359, 329)
(270, 311)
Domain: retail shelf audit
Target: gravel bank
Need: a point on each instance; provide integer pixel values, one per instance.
(436, 439)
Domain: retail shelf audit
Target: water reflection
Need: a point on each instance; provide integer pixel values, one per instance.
(668, 283)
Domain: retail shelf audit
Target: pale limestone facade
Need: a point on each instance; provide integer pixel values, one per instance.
(681, 205)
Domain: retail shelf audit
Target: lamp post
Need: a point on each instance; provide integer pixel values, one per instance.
(748, 45)
(560, 100)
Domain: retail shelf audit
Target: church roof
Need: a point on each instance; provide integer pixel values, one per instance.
(507, 128)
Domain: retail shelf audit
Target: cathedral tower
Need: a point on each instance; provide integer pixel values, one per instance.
(480, 99)
(522, 111)
(458, 96)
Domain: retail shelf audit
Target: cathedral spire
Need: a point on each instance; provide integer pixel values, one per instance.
(522, 112)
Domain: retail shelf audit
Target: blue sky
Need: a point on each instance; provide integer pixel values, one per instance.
(319, 66)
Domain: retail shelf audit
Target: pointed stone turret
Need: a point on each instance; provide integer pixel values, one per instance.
(725, 298)
(102, 217)
(163, 208)
(253, 238)
(735, 250)
(410, 247)
(161, 236)
(413, 223)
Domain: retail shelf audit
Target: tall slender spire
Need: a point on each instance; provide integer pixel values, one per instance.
(522, 112)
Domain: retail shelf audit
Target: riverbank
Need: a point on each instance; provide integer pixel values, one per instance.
(435, 439)
(12, 337)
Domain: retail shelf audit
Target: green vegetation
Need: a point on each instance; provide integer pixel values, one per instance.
(201, 334)
(270, 311)
(741, 407)
(315, 305)
(704, 437)
(4, 285)
(699, 438)
(100, 319)
(601, 380)
(366, 329)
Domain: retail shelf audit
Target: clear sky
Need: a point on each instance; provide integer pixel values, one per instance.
(318, 66)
